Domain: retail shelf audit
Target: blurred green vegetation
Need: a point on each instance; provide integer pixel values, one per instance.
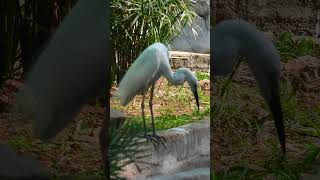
(302, 124)
(24, 30)
(136, 24)
(291, 48)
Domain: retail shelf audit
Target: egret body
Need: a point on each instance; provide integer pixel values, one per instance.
(237, 37)
(146, 70)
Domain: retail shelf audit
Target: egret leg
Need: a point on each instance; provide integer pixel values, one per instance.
(154, 138)
(142, 114)
(159, 139)
(151, 109)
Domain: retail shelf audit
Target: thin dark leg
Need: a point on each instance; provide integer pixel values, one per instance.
(158, 139)
(155, 139)
(151, 109)
(142, 114)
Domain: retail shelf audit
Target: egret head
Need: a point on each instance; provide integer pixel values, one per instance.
(184, 74)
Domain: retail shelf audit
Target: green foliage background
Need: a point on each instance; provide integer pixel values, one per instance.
(136, 24)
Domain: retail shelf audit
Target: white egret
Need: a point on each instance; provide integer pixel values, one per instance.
(151, 64)
(231, 38)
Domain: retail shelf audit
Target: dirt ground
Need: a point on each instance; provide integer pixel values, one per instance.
(175, 100)
(247, 137)
(76, 149)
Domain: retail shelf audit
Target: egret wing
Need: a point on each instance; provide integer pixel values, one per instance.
(139, 76)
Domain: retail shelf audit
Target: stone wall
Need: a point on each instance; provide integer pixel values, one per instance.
(187, 147)
(193, 61)
(297, 16)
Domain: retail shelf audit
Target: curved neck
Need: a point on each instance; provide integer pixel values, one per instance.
(180, 76)
(173, 77)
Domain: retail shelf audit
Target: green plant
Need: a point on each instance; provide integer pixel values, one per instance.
(24, 29)
(202, 75)
(125, 148)
(274, 167)
(21, 143)
(135, 24)
(290, 48)
(301, 122)
(166, 121)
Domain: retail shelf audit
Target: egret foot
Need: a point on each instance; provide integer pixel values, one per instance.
(155, 140)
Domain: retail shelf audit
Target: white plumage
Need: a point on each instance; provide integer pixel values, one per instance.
(151, 64)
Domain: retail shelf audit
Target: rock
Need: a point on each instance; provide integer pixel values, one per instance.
(193, 61)
(269, 35)
(202, 8)
(299, 17)
(188, 41)
(195, 174)
(204, 85)
(303, 73)
(117, 117)
(130, 171)
(187, 148)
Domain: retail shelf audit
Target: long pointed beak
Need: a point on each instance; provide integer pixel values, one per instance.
(273, 100)
(276, 110)
(197, 97)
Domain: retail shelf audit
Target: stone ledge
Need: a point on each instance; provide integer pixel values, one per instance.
(117, 117)
(194, 61)
(187, 147)
(195, 174)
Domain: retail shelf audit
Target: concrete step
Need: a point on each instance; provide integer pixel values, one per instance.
(194, 174)
(187, 148)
